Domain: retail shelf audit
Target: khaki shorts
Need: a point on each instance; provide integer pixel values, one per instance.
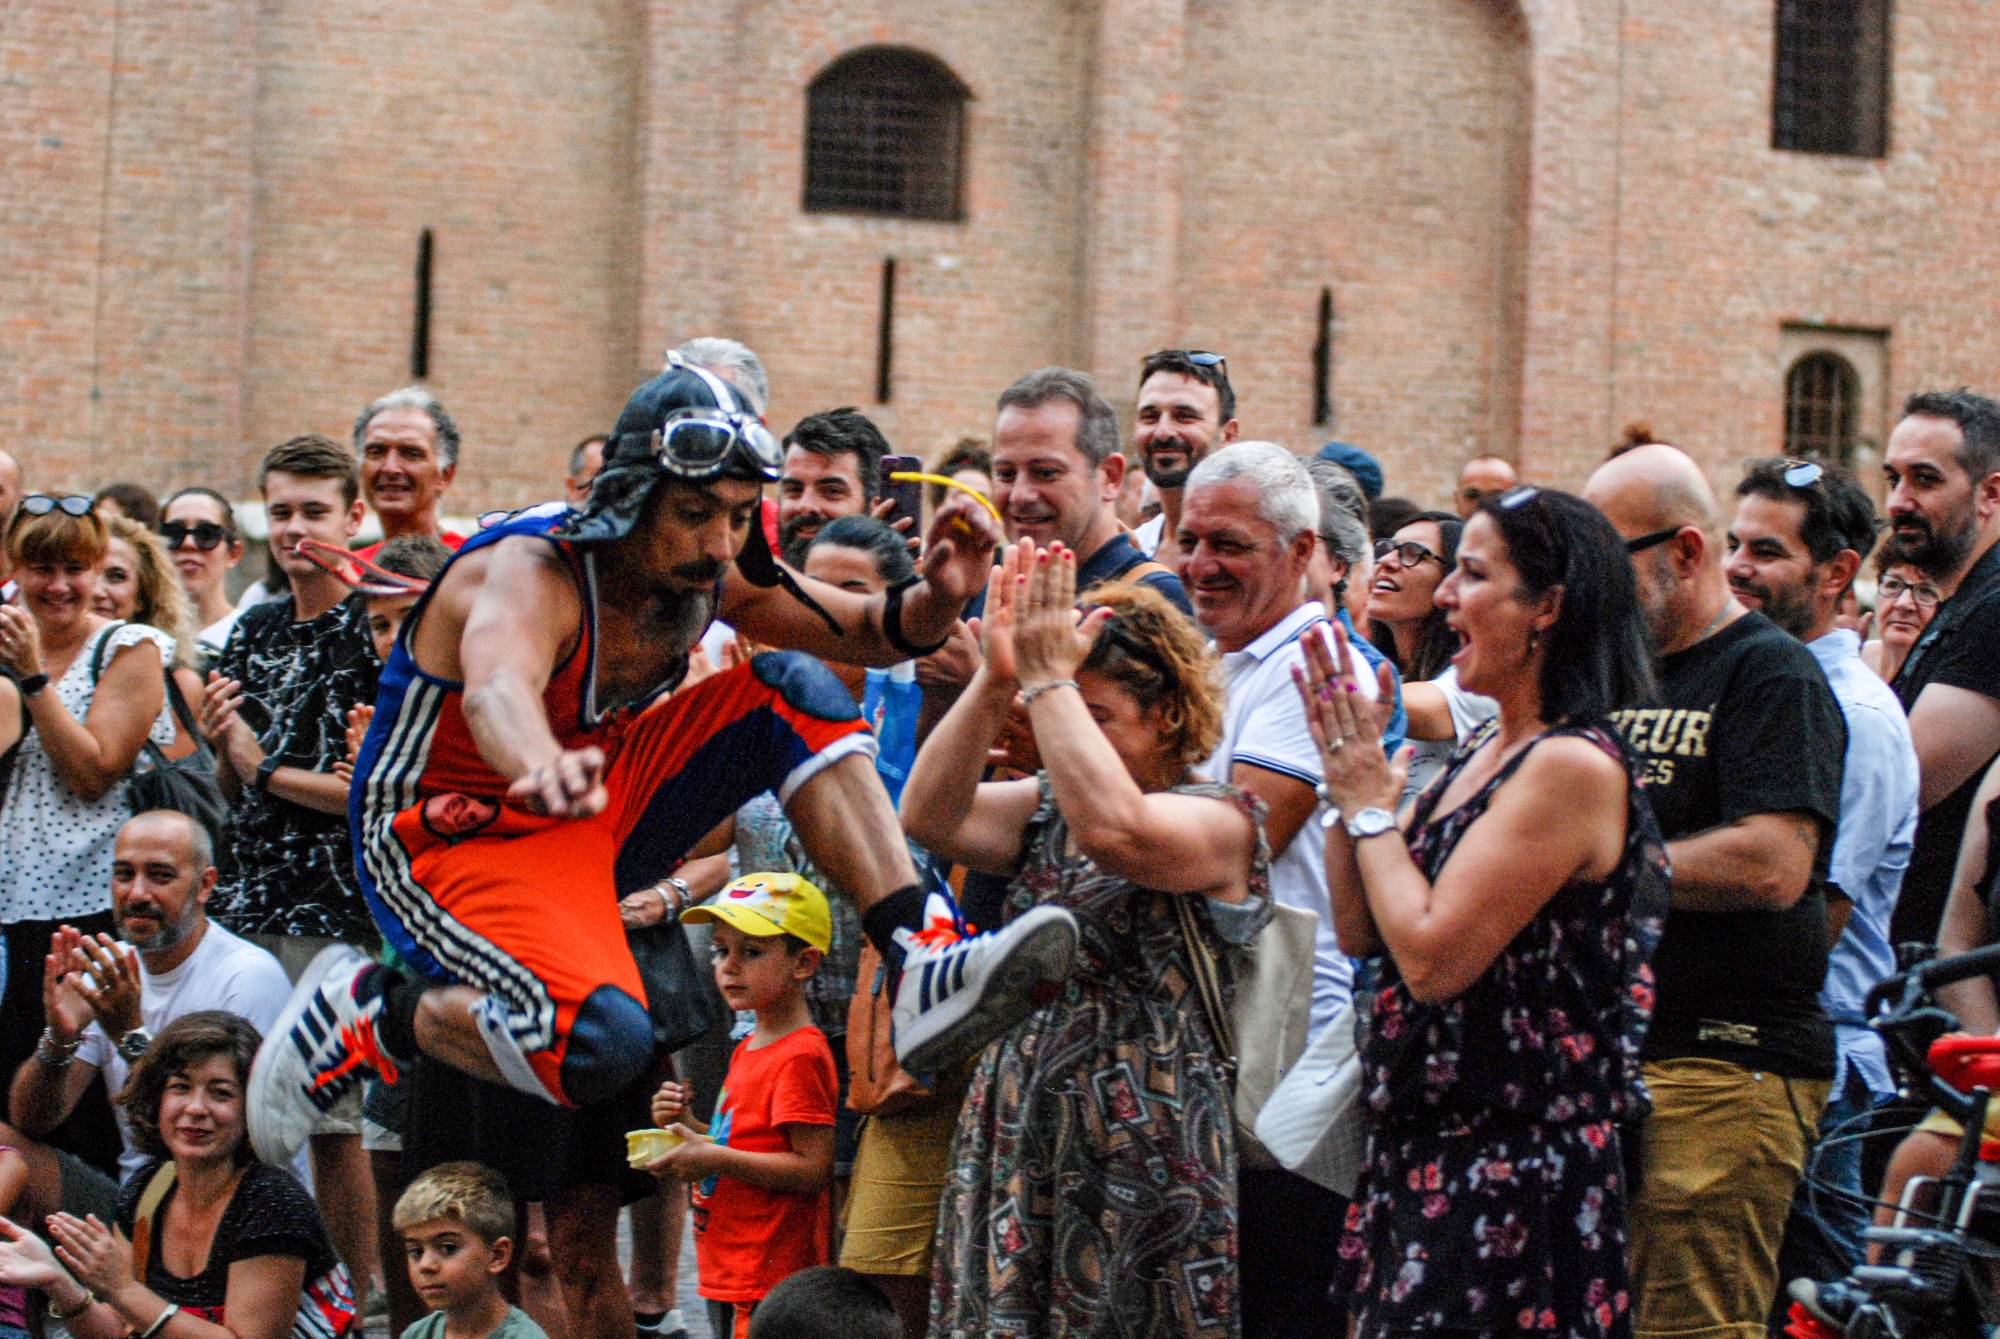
(1939, 1123)
(898, 1184)
(1723, 1153)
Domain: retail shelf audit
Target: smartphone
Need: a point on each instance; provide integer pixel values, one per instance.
(908, 497)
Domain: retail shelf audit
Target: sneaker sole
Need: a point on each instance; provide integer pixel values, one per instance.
(265, 1069)
(1045, 954)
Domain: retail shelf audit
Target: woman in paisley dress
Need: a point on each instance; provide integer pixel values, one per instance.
(1093, 1176)
(1513, 911)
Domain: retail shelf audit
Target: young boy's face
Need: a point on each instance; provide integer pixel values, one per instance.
(755, 971)
(385, 619)
(450, 1264)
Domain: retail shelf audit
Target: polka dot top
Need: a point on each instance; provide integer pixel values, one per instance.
(55, 849)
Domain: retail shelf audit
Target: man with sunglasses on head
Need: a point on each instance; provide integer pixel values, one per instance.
(1186, 409)
(530, 763)
(1743, 762)
(1800, 534)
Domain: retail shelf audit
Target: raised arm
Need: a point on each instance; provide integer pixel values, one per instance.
(1173, 843)
(955, 567)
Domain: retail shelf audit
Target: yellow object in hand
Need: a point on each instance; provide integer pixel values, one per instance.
(981, 498)
(643, 1148)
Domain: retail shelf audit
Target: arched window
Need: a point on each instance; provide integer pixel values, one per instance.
(1822, 395)
(1830, 88)
(885, 134)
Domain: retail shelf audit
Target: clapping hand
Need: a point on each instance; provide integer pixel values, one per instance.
(100, 1258)
(1051, 638)
(1344, 726)
(26, 1260)
(20, 642)
(68, 1012)
(358, 720)
(106, 975)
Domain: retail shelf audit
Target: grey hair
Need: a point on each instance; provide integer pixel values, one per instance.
(1343, 511)
(413, 397)
(1097, 421)
(734, 363)
(1285, 494)
(201, 847)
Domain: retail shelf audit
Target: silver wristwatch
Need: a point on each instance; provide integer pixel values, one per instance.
(1370, 822)
(133, 1044)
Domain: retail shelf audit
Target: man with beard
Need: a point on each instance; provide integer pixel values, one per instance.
(106, 1002)
(1187, 408)
(529, 764)
(833, 468)
(1943, 470)
(1742, 763)
(1800, 534)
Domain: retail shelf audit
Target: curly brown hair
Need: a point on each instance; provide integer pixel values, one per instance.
(181, 1045)
(1152, 651)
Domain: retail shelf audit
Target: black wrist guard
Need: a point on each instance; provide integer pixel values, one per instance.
(892, 622)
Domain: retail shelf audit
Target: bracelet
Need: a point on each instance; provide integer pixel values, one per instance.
(87, 1303)
(161, 1323)
(53, 1053)
(682, 899)
(892, 623)
(1028, 695)
(33, 684)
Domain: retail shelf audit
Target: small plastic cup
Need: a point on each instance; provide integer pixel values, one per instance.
(643, 1148)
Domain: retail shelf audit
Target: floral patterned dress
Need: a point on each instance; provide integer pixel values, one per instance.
(1093, 1182)
(1493, 1196)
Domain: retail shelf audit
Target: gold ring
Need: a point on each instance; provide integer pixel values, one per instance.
(1338, 744)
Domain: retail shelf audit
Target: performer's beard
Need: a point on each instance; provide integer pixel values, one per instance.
(678, 615)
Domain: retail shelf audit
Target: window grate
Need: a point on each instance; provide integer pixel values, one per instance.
(1822, 395)
(1830, 85)
(885, 133)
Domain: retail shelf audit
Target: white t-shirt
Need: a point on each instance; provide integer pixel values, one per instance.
(215, 636)
(223, 972)
(1264, 724)
(1469, 711)
(1147, 536)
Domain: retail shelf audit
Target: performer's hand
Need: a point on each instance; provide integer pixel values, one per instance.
(570, 785)
(960, 551)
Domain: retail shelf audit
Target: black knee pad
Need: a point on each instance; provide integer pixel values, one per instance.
(805, 685)
(610, 1047)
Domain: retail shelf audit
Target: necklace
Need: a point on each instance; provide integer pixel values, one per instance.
(1715, 623)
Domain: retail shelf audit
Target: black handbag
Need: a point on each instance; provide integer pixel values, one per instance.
(186, 785)
(677, 993)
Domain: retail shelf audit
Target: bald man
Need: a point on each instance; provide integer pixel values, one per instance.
(1482, 477)
(1742, 760)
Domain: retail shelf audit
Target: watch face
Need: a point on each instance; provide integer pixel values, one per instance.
(1373, 822)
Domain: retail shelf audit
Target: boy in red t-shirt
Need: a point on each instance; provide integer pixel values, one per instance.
(760, 1188)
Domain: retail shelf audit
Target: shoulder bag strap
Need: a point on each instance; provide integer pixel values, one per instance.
(1133, 575)
(1208, 983)
(142, 1218)
(97, 650)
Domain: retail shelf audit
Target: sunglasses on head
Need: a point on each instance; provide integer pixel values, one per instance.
(207, 535)
(41, 504)
(1803, 473)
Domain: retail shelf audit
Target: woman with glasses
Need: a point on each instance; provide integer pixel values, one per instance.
(1905, 602)
(1092, 1184)
(95, 691)
(1500, 1047)
(198, 526)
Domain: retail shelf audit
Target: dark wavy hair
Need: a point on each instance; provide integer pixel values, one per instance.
(1598, 657)
(1436, 642)
(181, 1045)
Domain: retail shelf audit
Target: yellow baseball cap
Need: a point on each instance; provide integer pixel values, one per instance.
(771, 904)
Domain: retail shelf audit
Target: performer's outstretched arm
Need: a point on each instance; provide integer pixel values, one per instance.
(955, 565)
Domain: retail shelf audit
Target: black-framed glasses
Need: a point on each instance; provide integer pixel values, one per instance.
(1890, 589)
(1653, 540)
(1408, 553)
(41, 504)
(207, 535)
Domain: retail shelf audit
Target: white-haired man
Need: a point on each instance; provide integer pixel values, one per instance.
(1248, 526)
(734, 362)
(408, 448)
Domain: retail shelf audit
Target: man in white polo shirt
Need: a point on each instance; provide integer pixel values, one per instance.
(104, 1012)
(1247, 529)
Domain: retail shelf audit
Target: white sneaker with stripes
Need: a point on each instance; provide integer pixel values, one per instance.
(959, 991)
(319, 1048)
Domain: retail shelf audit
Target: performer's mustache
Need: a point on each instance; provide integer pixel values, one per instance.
(706, 571)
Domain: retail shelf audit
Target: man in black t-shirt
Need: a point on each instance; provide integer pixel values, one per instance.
(1742, 762)
(1943, 471)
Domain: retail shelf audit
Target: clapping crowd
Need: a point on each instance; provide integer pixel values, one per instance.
(1570, 829)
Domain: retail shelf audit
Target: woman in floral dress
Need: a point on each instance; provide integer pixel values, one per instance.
(1093, 1177)
(1514, 909)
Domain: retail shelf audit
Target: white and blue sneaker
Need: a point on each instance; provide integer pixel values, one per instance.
(322, 1045)
(961, 990)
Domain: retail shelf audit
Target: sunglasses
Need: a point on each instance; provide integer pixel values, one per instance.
(41, 504)
(1408, 553)
(1803, 473)
(1203, 358)
(1653, 540)
(1889, 589)
(207, 535)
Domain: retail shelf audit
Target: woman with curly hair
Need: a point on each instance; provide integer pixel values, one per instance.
(139, 585)
(1093, 1175)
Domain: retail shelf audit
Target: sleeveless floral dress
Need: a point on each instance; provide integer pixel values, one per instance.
(1093, 1181)
(1493, 1196)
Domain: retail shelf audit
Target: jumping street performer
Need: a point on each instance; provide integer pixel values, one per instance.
(526, 767)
